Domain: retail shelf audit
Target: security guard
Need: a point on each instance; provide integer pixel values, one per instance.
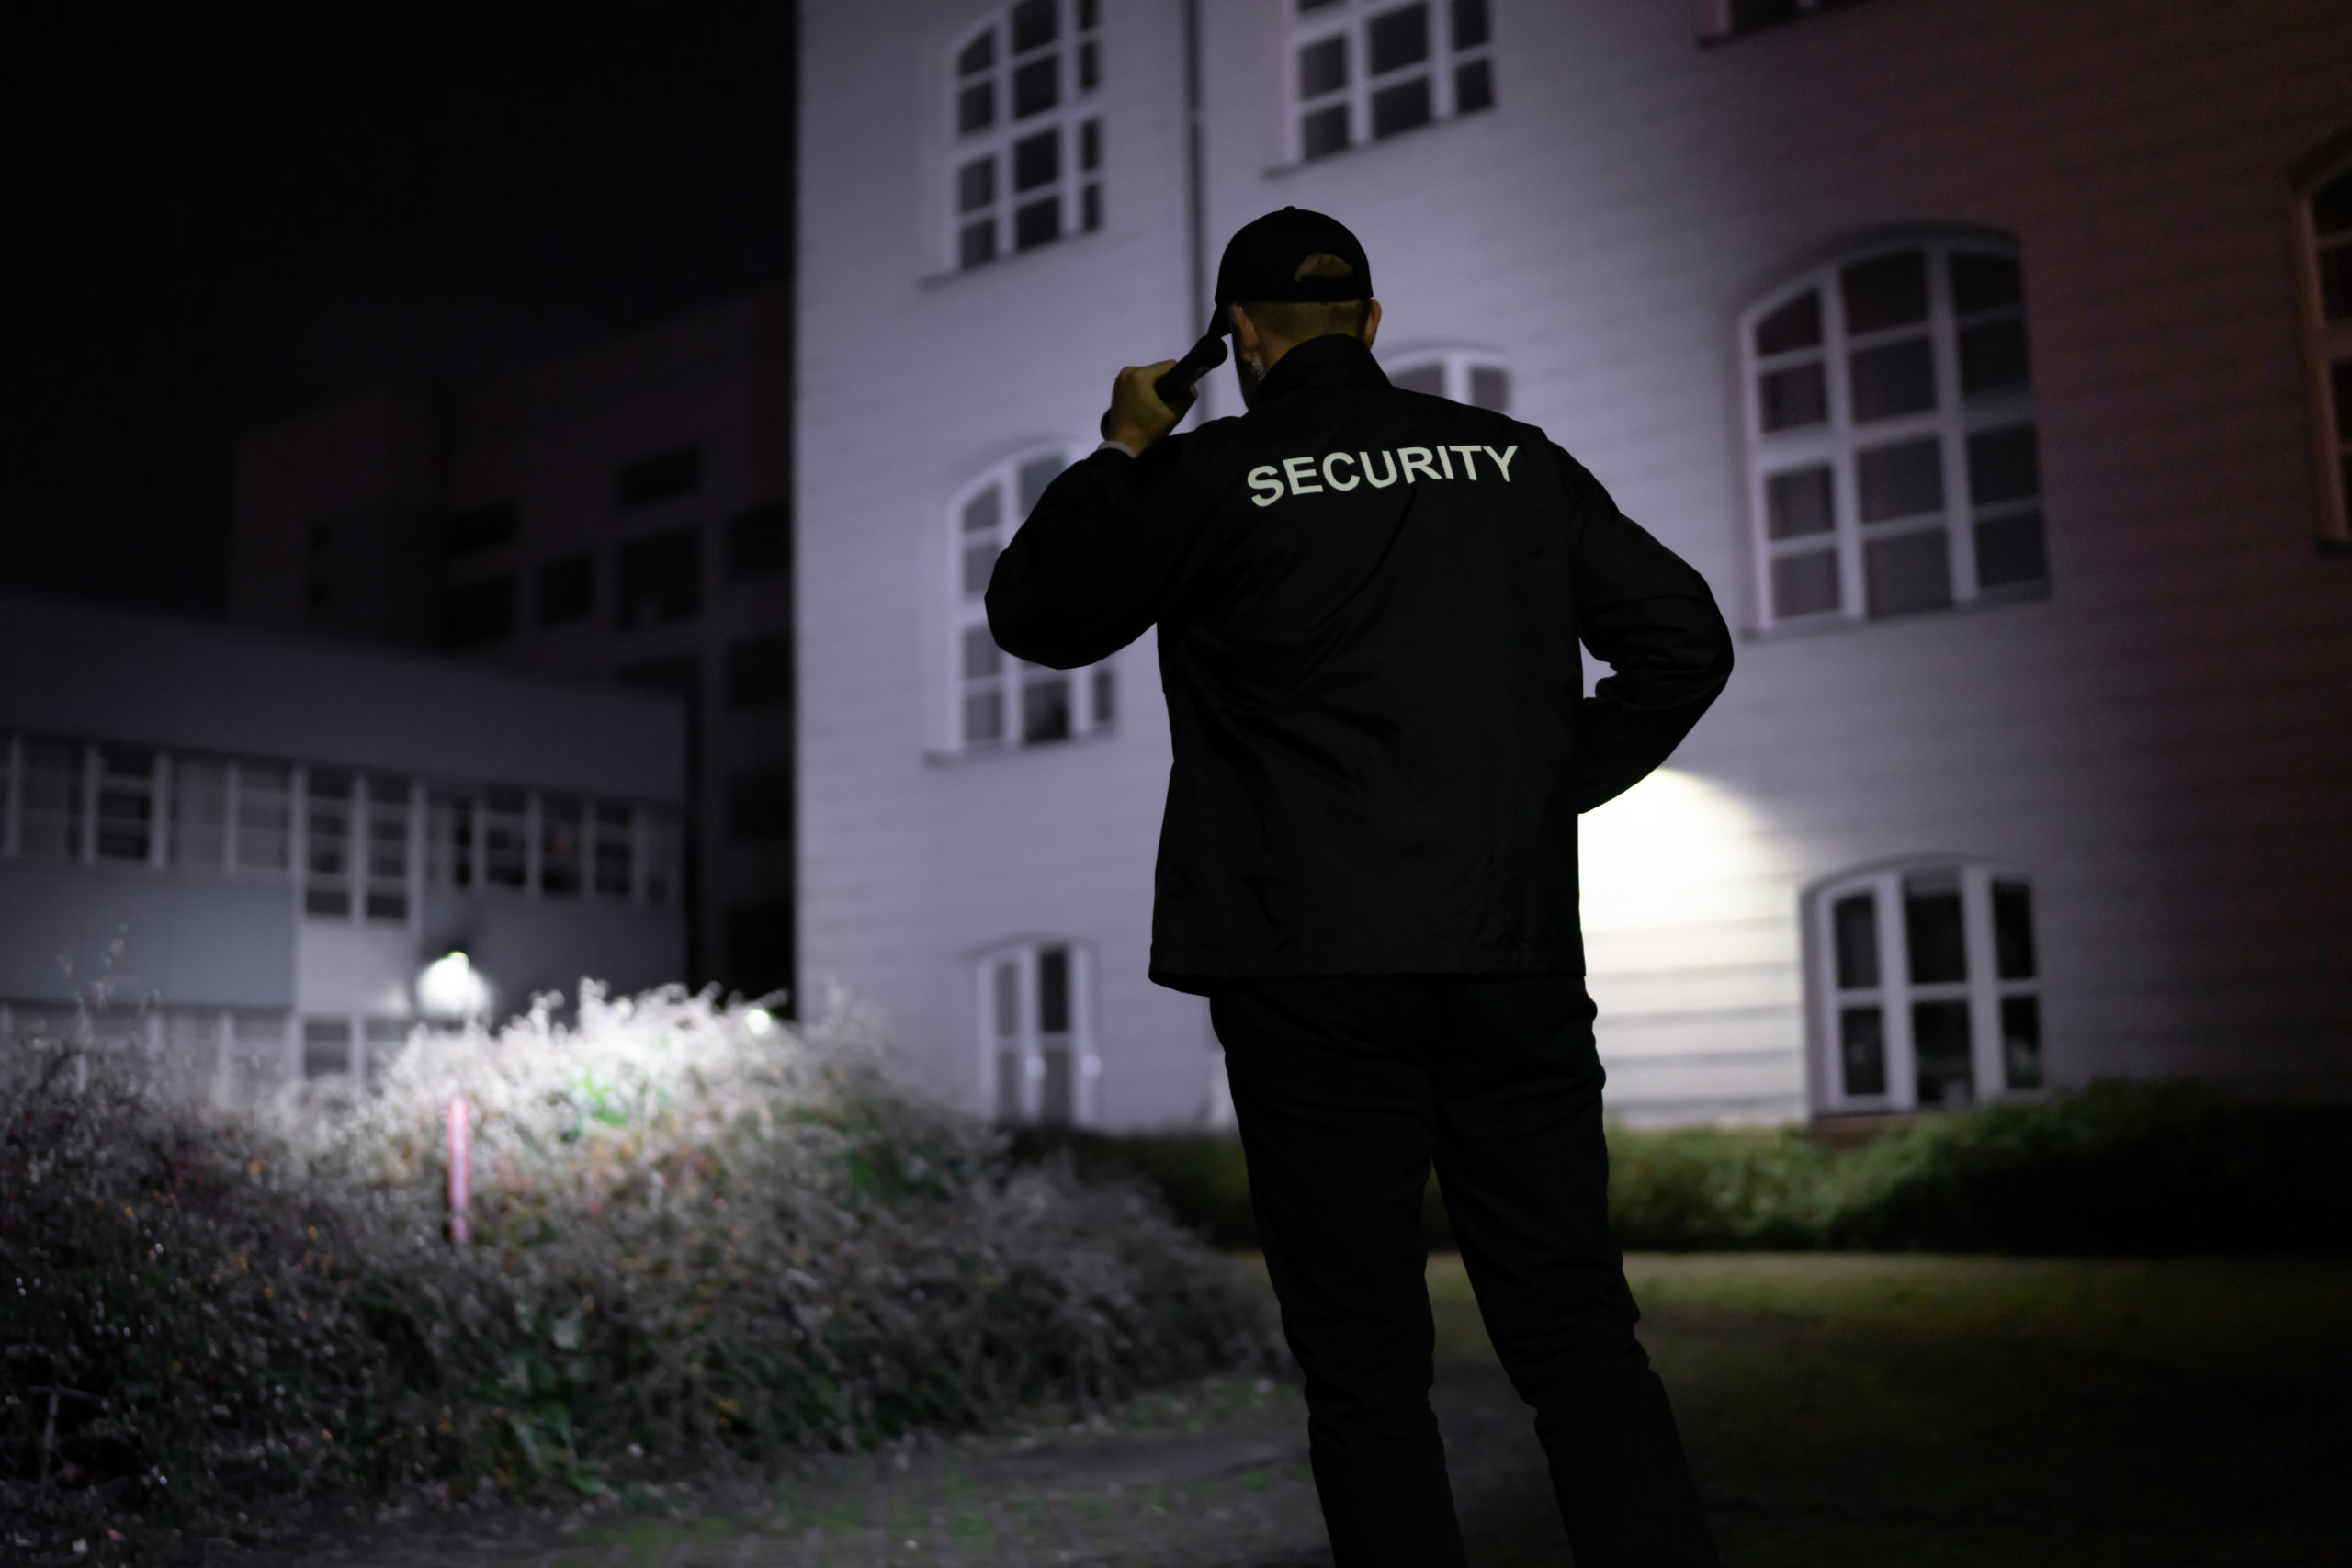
(1369, 603)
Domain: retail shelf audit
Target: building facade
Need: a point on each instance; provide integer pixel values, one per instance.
(1990, 360)
(621, 515)
(244, 852)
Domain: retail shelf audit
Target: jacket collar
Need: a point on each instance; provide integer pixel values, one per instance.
(1334, 359)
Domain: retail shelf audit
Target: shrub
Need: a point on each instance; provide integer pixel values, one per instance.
(696, 1233)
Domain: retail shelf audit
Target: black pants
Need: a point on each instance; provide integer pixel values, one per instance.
(1346, 1087)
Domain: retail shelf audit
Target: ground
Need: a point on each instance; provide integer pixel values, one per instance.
(1838, 1409)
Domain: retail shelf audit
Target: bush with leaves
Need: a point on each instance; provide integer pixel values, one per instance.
(695, 1232)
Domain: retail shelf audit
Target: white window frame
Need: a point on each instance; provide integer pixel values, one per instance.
(1457, 370)
(1982, 988)
(1092, 690)
(1350, 21)
(2327, 344)
(1837, 441)
(1075, 122)
(1021, 1054)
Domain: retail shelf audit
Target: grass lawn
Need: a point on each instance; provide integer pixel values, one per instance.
(1845, 1408)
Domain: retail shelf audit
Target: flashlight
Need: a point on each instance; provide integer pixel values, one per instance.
(1176, 384)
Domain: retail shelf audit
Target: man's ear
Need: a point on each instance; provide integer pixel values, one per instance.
(1246, 337)
(1371, 323)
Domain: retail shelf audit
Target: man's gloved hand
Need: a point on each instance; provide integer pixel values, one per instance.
(1137, 416)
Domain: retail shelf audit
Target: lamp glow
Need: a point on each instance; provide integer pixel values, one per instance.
(450, 987)
(759, 1021)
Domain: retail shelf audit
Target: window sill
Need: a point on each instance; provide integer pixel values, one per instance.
(2008, 599)
(937, 758)
(1282, 171)
(989, 268)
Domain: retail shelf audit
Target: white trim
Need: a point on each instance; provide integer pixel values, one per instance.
(1348, 22)
(1075, 122)
(1024, 1053)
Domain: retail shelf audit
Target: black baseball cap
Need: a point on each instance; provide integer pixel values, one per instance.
(1262, 258)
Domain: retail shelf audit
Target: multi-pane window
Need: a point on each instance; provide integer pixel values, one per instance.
(356, 844)
(49, 805)
(1465, 376)
(327, 830)
(1000, 700)
(1025, 102)
(126, 804)
(1893, 458)
(1929, 992)
(2327, 212)
(263, 817)
(1362, 70)
(385, 809)
(1038, 1052)
(560, 846)
(563, 845)
(200, 813)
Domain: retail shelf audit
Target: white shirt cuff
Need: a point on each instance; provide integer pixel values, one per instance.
(1117, 446)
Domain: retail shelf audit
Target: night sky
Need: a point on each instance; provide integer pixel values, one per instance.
(224, 215)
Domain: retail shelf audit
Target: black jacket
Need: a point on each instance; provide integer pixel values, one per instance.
(1369, 603)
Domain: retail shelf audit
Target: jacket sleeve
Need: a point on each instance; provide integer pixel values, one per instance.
(1646, 612)
(1100, 554)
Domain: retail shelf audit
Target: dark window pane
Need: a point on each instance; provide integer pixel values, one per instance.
(1090, 144)
(1428, 378)
(2012, 931)
(1090, 208)
(760, 956)
(1039, 224)
(2009, 551)
(1906, 574)
(1854, 919)
(333, 902)
(2332, 206)
(979, 563)
(1474, 88)
(1090, 66)
(1400, 107)
(1323, 66)
(982, 658)
(644, 480)
(978, 245)
(1035, 475)
(1861, 1051)
(1397, 39)
(1804, 584)
(1085, 15)
(975, 184)
(1490, 388)
(657, 578)
(2340, 379)
(1991, 356)
(1032, 25)
(1045, 710)
(759, 805)
(983, 717)
(1885, 293)
(1796, 324)
(1932, 928)
(2022, 1041)
(2003, 466)
(1052, 990)
(483, 527)
(1036, 160)
(1940, 1055)
(1903, 480)
(759, 671)
(1106, 697)
(326, 1047)
(478, 613)
(1980, 282)
(1794, 398)
(976, 107)
(2335, 283)
(1325, 130)
(1469, 23)
(977, 55)
(759, 542)
(567, 590)
(983, 511)
(1306, 5)
(1798, 503)
(1037, 87)
(1896, 379)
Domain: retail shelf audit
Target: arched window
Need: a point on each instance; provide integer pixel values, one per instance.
(1892, 457)
(1927, 994)
(1000, 700)
(1463, 375)
(1037, 1060)
(1362, 70)
(2324, 211)
(1028, 147)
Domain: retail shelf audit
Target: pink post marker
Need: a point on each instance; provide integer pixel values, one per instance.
(460, 1170)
